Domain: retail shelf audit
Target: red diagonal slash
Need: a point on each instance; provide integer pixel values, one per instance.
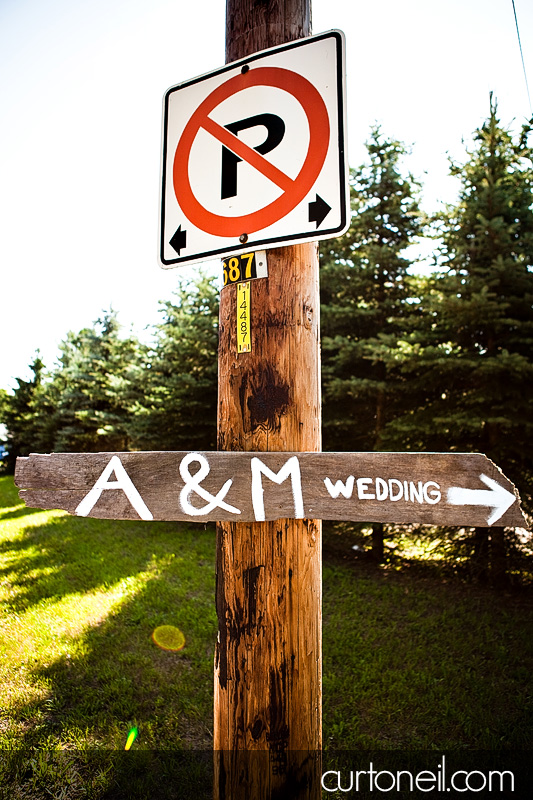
(248, 154)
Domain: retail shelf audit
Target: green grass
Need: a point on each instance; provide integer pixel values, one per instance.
(410, 661)
(78, 667)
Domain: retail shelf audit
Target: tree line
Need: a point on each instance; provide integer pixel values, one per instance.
(425, 360)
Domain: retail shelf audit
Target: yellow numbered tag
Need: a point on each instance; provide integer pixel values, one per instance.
(244, 339)
(237, 269)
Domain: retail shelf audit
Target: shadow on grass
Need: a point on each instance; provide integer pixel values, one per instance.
(18, 512)
(66, 555)
(82, 695)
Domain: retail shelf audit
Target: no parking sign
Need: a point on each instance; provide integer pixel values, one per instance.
(254, 153)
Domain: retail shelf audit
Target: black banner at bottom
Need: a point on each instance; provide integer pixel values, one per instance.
(251, 775)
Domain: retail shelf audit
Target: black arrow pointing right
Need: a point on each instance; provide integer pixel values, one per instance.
(318, 210)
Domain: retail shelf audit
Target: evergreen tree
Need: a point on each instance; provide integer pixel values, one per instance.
(178, 410)
(3, 404)
(367, 301)
(479, 325)
(94, 388)
(26, 416)
(475, 351)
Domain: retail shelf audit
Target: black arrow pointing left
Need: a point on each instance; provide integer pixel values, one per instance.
(179, 240)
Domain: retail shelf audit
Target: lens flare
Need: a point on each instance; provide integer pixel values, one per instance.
(168, 637)
(132, 735)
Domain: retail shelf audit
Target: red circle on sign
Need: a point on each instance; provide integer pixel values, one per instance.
(317, 117)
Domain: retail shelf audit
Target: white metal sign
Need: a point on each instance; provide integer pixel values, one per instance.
(254, 153)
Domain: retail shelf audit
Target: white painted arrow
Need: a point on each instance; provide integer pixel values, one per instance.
(495, 497)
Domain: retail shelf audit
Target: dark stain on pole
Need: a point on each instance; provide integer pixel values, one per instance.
(257, 729)
(278, 735)
(267, 400)
(221, 647)
(251, 578)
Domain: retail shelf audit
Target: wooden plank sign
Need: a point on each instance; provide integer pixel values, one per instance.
(429, 488)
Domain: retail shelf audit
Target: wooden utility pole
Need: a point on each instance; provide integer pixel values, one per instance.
(267, 723)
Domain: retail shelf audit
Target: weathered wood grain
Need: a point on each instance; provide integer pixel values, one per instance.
(268, 660)
(381, 487)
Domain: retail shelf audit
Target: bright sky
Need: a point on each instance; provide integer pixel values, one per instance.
(80, 131)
